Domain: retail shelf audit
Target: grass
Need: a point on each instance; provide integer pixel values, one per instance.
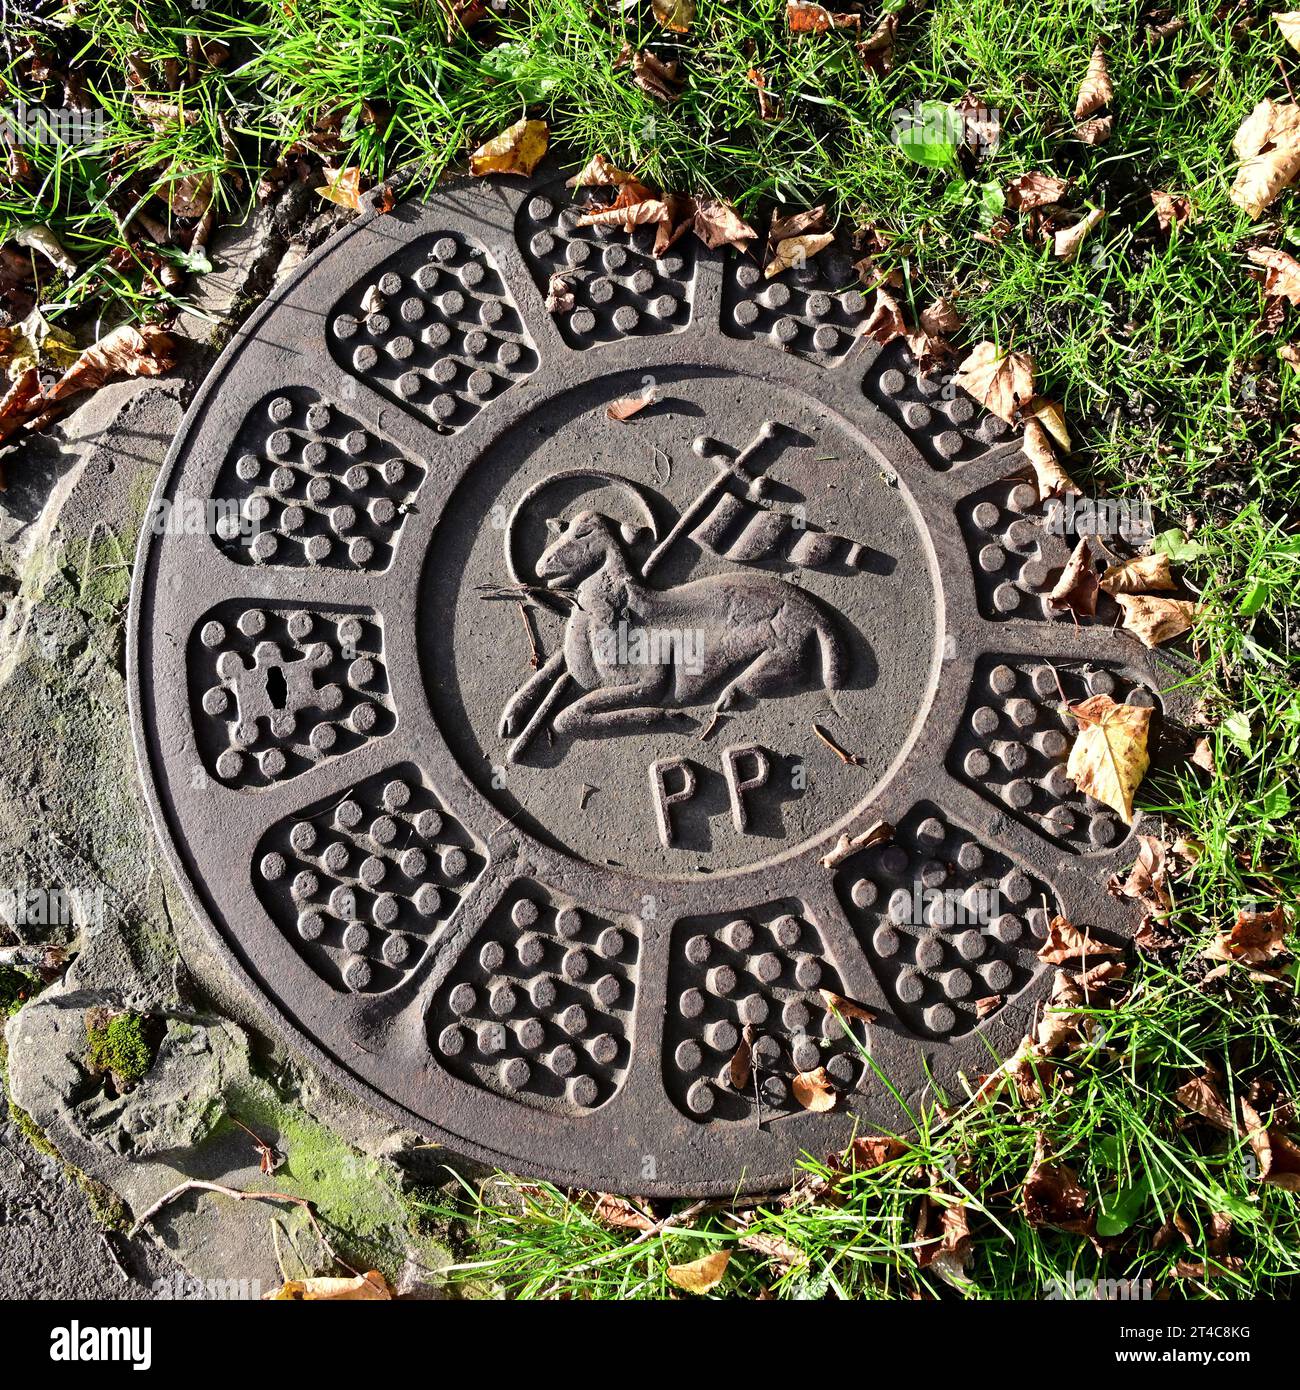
(1174, 392)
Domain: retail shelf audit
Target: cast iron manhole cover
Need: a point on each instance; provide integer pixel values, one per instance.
(527, 884)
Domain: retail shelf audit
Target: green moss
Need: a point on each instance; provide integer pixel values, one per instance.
(116, 1046)
(16, 988)
(358, 1199)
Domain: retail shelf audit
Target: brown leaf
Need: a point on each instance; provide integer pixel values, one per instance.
(1146, 879)
(627, 406)
(1268, 145)
(846, 1008)
(876, 51)
(719, 224)
(940, 318)
(1155, 620)
(875, 834)
(360, 1288)
(886, 320)
(1000, 381)
(1203, 755)
(1202, 1096)
(1290, 354)
(1051, 478)
(874, 1150)
(740, 1068)
(1077, 587)
(699, 1276)
(1281, 272)
(1061, 1020)
(814, 1090)
(1096, 131)
(126, 351)
(654, 77)
(1052, 1195)
(1035, 190)
(559, 294)
(1096, 90)
(1278, 1156)
(797, 224)
(1138, 575)
(517, 150)
(1255, 938)
(677, 15)
(1067, 241)
(190, 196)
(769, 107)
(598, 172)
(797, 251)
(620, 1213)
(1109, 758)
(805, 17)
(1173, 210)
(342, 186)
(20, 402)
(627, 214)
(989, 1004)
(1065, 942)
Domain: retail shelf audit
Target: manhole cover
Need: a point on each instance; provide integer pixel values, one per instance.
(528, 876)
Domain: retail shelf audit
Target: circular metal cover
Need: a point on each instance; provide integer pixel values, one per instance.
(531, 877)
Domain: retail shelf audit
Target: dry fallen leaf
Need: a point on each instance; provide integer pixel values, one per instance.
(1001, 381)
(1268, 145)
(873, 1150)
(814, 1090)
(1289, 24)
(677, 15)
(1065, 942)
(1203, 755)
(598, 172)
(360, 1288)
(719, 224)
(559, 294)
(517, 150)
(699, 1276)
(769, 107)
(1035, 190)
(628, 214)
(40, 238)
(1066, 242)
(654, 77)
(1052, 418)
(886, 320)
(1139, 575)
(620, 1213)
(1096, 90)
(1154, 620)
(1281, 272)
(1053, 1196)
(797, 251)
(1201, 1096)
(1278, 1157)
(1173, 210)
(1109, 758)
(342, 186)
(127, 351)
(1290, 354)
(1077, 587)
(1146, 879)
(804, 17)
(1096, 131)
(846, 1008)
(627, 406)
(1052, 479)
(740, 1068)
(1255, 938)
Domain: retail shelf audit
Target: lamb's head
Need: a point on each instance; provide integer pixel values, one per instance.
(578, 548)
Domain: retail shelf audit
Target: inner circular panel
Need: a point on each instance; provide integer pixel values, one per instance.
(743, 595)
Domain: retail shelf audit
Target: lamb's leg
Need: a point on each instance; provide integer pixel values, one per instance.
(616, 707)
(749, 681)
(512, 716)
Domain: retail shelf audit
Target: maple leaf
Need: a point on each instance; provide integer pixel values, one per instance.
(1154, 620)
(699, 1276)
(1065, 942)
(1001, 381)
(719, 224)
(1139, 575)
(1096, 90)
(1255, 938)
(342, 186)
(1268, 145)
(1109, 758)
(517, 150)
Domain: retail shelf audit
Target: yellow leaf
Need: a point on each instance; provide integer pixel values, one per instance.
(1052, 479)
(342, 186)
(1109, 758)
(797, 250)
(1154, 620)
(1138, 575)
(517, 150)
(1001, 381)
(699, 1276)
(1268, 145)
(1289, 23)
(677, 15)
(361, 1288)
